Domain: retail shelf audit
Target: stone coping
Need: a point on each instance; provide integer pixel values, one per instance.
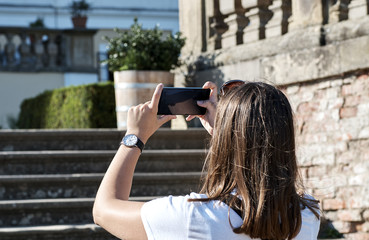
(86, 177)
(94, 153)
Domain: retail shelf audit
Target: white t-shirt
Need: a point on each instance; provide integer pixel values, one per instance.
(174, 218)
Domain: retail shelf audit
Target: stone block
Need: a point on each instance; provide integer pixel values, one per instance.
(351, 215)
(354, 54)
(346, 30)
(365, 227)
(245, 70)
(357, 236)
(351, 101)
(364, 133)
(348, 112)
(303, 65)
(363, 109)
(342, 227)
(366, 215)
(333, 204)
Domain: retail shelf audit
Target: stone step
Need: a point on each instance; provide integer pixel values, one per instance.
(56, 232)
(102, 139)
(92, 161)
(38, 212)
(85, 185)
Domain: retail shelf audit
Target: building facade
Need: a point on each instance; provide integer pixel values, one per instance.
(36, 59)
(318, 52)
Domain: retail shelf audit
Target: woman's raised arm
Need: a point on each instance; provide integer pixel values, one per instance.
(112, 210)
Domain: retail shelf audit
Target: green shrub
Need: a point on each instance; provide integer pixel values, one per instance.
(87, 106)
(139, 49)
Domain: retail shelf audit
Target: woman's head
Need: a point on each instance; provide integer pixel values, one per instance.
(253, 150)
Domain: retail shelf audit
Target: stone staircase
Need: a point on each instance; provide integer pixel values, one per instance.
(49, 178)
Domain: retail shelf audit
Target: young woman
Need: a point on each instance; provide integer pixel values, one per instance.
(252, 187)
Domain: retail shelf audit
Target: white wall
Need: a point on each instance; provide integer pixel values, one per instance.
(75, 79)
(14, 87)
(103, 14)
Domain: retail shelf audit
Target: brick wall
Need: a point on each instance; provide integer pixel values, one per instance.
(332, 122)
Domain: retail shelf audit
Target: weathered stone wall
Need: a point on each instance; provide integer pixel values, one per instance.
(320, 57)
(332, 126)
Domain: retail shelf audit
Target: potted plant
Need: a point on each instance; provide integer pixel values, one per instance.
(38, 23)
(79, 11)
(140, 59)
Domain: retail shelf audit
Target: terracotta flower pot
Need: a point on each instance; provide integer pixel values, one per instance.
(135, 87)
(79, 22)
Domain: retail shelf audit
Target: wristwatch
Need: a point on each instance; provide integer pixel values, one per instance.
(132, 140)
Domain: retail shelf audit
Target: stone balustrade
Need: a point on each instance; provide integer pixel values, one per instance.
(52, 50)
(236, 22)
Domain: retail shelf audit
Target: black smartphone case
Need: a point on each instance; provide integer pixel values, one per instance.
(182, 101)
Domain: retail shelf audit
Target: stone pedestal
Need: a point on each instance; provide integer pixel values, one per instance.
(80, 53)
(358, 9)
(192, 27)
(306, 13)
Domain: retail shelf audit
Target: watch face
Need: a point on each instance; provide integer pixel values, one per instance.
(130, 140)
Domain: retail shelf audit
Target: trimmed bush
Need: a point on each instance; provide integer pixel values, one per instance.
(87, 106)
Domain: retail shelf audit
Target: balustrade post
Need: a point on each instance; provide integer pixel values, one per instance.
(258, 15)
(338, 11)
(52, 50)
(24, 51)
(217, 25)
(278, 24)
(358, 9)
(9, 50)
(235, 20)
(1, 56)
(39, 51)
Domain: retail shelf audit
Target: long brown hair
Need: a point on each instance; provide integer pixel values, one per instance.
(252, 150)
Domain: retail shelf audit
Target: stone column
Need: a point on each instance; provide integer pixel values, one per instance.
(191, 25)
(339, 11)
(235, 20)
(358, 9)
(258, 15)
(278, 24)
(9, 50)
(39, 50)
(216, 25)
(24, 51)
(306, 13)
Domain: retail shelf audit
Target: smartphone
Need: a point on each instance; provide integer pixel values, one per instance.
(182, 101)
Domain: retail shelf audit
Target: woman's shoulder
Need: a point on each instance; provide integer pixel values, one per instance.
(310, 218)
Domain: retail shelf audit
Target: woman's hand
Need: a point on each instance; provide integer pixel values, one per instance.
(143, 121)
(207, 120)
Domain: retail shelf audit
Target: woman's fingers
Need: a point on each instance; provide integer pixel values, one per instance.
(190, 117)
(214, 90)
(165, 118)
(154, 103)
